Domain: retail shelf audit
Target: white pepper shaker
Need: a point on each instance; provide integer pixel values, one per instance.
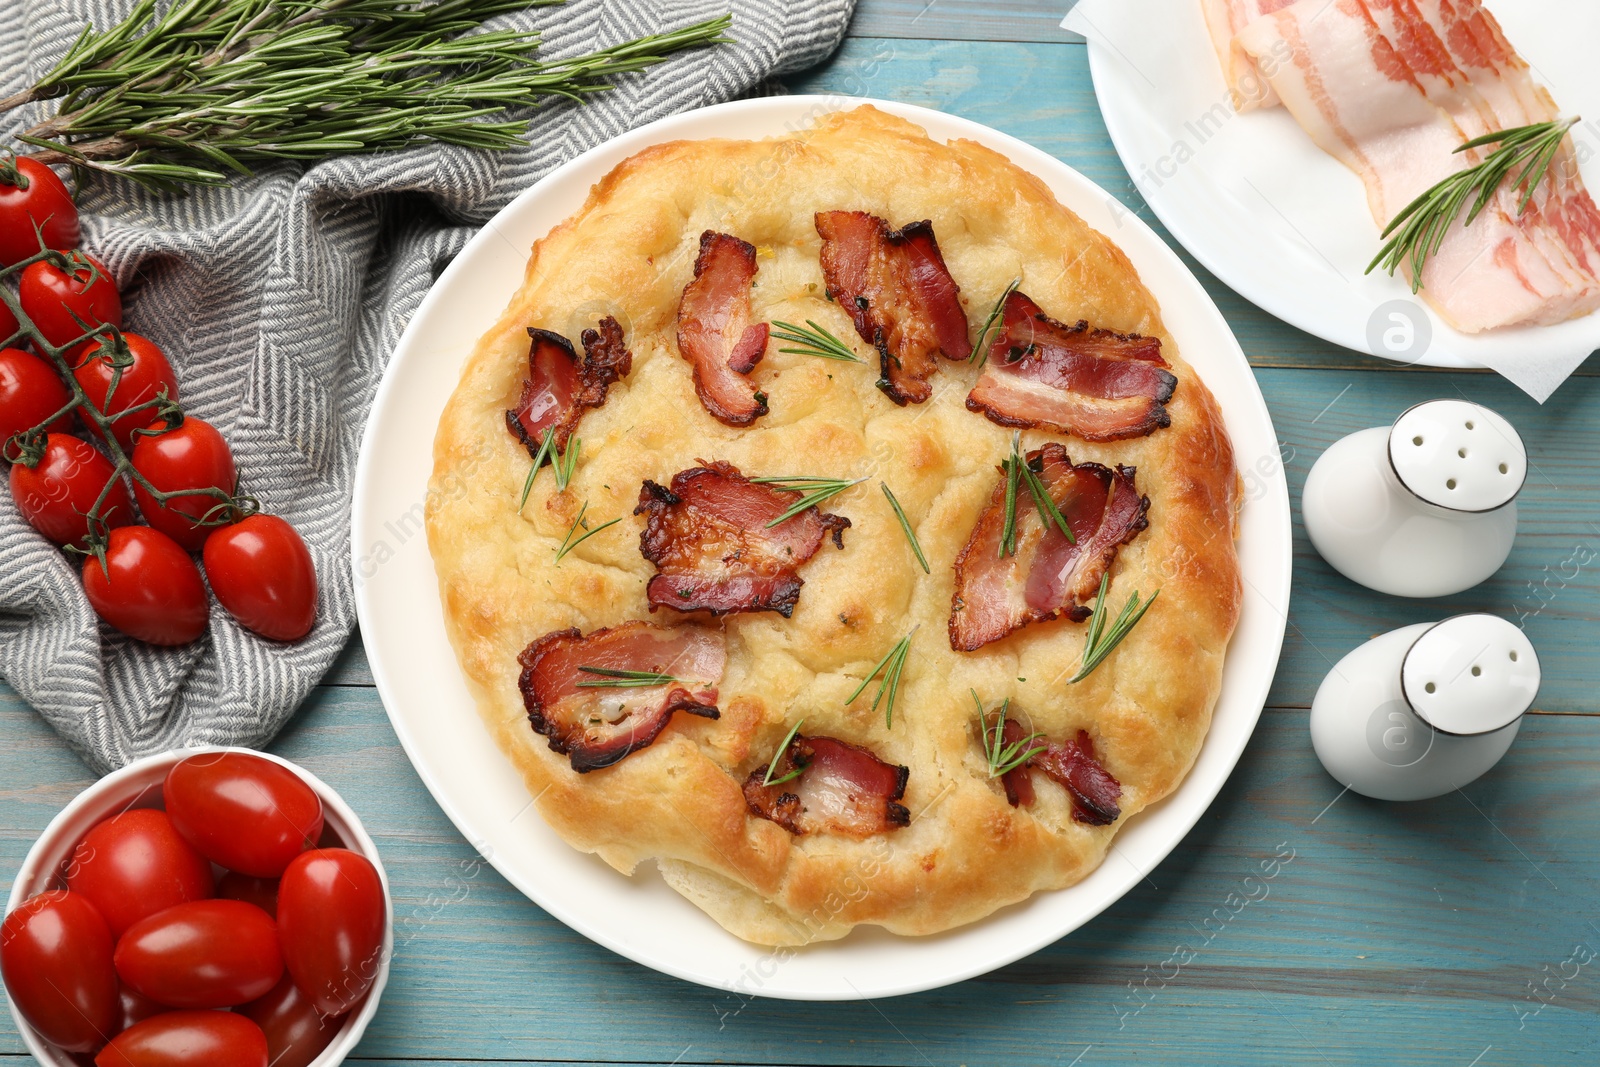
(1424, 508)
(1425, 709)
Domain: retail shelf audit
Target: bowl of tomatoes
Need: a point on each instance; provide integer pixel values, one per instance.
(202, 907)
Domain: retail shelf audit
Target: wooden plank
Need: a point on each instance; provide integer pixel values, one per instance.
(1042, 94)
(963, 20)
(1395, 933)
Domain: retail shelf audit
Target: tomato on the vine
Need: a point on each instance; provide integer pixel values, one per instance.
(203, 954)
(330, 924)
(135, 864)
(191, 455)
(147, 375)
(261, 571)
(188, 1039)
(55, 953)
(149, 588)
(56, 494)
(34, 204)
(243, 812)
(56, 299)
(30, 392)
(296, 1031)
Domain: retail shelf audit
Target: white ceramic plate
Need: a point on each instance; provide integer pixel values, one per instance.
(1285, 224)
(642, 918)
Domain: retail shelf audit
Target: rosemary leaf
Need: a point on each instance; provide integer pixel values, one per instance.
(980, 352)
(816, 341)
(567, 542)
(891, 665)
(1003, 758)
(615, 679)
(1099, 640)
(564, 465)
(905, 526)
(815, 490)
(538, 461)
(788, 739)
(1013, 471)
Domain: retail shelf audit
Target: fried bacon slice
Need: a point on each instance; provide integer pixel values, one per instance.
(897, 290)
(842, 789)
(1017, 781)
(596, 726)
(559, 389)
(1048, 576)
(715, 333)
(1073, 766)
(713, 550)
(1093, 384)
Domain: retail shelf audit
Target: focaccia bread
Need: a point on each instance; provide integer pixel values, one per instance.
(952, 847)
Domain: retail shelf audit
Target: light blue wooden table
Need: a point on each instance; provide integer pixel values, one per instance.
(1434, 933)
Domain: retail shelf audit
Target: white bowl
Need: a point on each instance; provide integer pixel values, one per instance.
(138, 785)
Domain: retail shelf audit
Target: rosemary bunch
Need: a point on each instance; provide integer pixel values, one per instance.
(187, 91)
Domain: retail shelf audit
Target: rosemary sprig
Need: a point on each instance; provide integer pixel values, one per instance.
(1003, 758)
(980, 347)
(565, 463)
(188, 91)
(545, 446)
(1100, 640)
(772, 768)
(905, 526)
(816, 341)
(892, 664)
(615, 679)
(1419, 230)
(561, 465)
(567, 542)
(815, 490)
(1019, 474)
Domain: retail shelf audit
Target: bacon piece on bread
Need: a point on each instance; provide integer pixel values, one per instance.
(559, 388)
(715, 333)
(841, 789)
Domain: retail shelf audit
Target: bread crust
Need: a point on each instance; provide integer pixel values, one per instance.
(628, 253)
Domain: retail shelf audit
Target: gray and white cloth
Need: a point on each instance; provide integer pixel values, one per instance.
(278, 301)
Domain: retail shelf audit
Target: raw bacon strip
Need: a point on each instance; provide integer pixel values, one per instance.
(842, 789)
(559, 389)
(597, 727)
(1247, 88)
(897, 290)
(1072, 765)
(1093, 384)
(1048, 576)
(715, 333)
(713, 551)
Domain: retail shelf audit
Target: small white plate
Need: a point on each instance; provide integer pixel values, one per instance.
(1285, 224)
(641, 918)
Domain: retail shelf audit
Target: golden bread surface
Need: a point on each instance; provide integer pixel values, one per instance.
(629, 253)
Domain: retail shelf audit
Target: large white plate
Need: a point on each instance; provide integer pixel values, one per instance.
(641, 918)
(1285, 224)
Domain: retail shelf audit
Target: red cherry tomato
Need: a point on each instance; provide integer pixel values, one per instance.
(55, 952)
(148, 375)
(56, 493)
(262, 573)
(203, 954)
(52, 297)
(262, 892)
(136, 1008)
(241, 811)
(30, 392)
(296, 1032)
(35, 203)
(188, 1039)
(331, 912)
(192, 455)
(135, 864)
(149, 589)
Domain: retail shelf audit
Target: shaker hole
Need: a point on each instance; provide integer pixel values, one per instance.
(1451, 484)
(1416, 440)
(1430, 687)
(1469, 424)
(1461, 452)
(1476, 670)
(1504, 469)
(1513, 655)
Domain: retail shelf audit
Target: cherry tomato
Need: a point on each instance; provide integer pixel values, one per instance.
(331, 914)
(35, 203)
(135, 864)
(241, 811)
(192, 455)
(136, 1008)
(262, 892)
(148, 375)
(55, 952)
(188, 1039)
(56, 493)
(52, 297)
(203, 954)
(9, 325)
(296, 1032)
(150, 588)
(30, 392)
(262, 573)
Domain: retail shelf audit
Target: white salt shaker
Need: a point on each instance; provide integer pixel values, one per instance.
(1426, 507)
(1424, 709)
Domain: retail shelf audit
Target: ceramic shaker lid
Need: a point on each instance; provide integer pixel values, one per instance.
(1471, 674)
(1458, 455)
